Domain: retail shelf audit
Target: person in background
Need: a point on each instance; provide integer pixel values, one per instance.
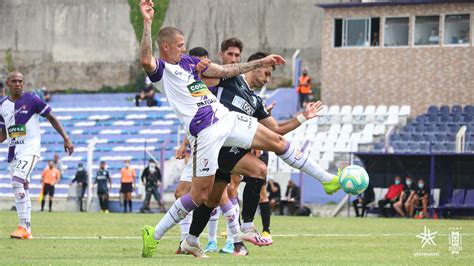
(420, 199)
(363, 200)
(392, 196)
(3, 93)
(49, 178)
(81, 180)
(405, 196)
(151, 178)
(291, 203)
(375, 39)
(274, 195)
(304, 88)
(102, 179)
(146, 94)
(199, 52)
(128, 184)
(58, 164)
(43, 92)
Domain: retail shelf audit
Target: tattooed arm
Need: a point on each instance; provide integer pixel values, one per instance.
(146, 57)
(232, 70)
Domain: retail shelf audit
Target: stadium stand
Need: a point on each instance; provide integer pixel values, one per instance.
(123, 132)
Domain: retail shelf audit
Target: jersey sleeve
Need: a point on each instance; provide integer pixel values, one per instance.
(40, 107)
(2, 123)
(156, 75)
(262, 111)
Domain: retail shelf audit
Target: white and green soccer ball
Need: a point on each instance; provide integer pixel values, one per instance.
(354, 179)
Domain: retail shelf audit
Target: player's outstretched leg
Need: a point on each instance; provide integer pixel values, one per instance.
(265, 139)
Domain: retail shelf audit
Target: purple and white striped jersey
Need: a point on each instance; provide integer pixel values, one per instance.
(195, 106)
(20, 121)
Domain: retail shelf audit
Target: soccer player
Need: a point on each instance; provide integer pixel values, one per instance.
(209, 126)
(102, 179)
(49, 178)
(20, 126)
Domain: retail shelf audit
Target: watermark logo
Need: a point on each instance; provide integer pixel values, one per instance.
(455, 240)
(428, 244)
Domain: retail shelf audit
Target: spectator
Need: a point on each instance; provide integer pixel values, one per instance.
(43, 92)
(147, 94)
(361, 41)
(102, 179)
(463, 37)
(128, 184)
(405, 197)
(151, 178)
(58, 164)
(49, 178)
(274, 194)
(391, 197)
(363, 200)
(434, 38)
(420, 199)
(199, 52)
(81, 180)
(304, 89)
(375, 39)
(291, 203)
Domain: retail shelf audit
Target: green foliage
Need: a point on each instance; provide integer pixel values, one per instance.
(136, 18)
(9, 60)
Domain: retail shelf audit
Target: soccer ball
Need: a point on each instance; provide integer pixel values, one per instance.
(354, 179)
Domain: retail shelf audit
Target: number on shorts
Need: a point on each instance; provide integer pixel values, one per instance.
(20, 162)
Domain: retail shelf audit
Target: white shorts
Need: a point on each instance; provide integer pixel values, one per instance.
(234, 129)
(187, 174)
(22, 167)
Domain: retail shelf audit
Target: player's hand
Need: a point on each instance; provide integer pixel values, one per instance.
(271, 106)
(181, 152)
(272, 60)
(68, 146)
(203, 64)
(146, 7)
(313, 109)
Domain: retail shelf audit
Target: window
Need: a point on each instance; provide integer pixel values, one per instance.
(456, 29)
(361, 32)
(396, 32)
(427, 30)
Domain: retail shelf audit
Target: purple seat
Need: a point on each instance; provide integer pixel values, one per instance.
(469, 200)
(457, 200)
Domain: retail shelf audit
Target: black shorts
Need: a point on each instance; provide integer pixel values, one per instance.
(48, 189)
(126, 187)
(228, 158)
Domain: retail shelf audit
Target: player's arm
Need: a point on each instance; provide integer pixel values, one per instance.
(68, 146)
(232, 70)
(210, 82)
(312, 110)
(147, 60)
(181, 151)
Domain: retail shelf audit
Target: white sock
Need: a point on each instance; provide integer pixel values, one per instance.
(212, 224)
(20, 203)
(232, 225)
(185, 224)
(299, 160)
(178, 211)
(247, 226)
(193, 240)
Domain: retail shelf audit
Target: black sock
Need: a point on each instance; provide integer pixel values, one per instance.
(130, 205)
(106, 204)
(50, 204)
(251, 198)
(201, 216)
(42, 204)
(265, 212)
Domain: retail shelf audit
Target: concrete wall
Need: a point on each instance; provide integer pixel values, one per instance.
(69, 43)
(418, 76)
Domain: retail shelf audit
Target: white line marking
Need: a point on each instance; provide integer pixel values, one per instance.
(176, 237)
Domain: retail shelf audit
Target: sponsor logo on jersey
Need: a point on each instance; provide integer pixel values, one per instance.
(206, 102)
(198, 89)
(16, 131)
(21, 110)
(243, 105)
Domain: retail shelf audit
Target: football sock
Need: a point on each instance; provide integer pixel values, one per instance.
(20, 201)
(201, 216)
(265, 212)
(299, 160)
(184, 225)
(124, 205)
(251, 198)
(42, 204)
(246, 226)
(212, 225)
(28, 208)
(178, 211)
(235, 202)
(231, 220)
(101, 203)
(130, 205)
(50, 204)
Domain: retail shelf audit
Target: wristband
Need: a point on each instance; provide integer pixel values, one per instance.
(301, 118)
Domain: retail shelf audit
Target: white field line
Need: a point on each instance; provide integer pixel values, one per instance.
(276, 235)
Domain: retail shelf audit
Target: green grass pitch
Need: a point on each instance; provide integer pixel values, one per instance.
(113, 239)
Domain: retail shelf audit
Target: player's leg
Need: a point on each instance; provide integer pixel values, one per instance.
(424, 204)
(232, 192)
(265, 212)
(211, 245)
(129, 196)
(50, 197)
(45, 189)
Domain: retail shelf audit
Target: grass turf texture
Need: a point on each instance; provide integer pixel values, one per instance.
(106, 239)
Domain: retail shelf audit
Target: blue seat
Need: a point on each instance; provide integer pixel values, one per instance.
(466, 118)
(424, 147)
(444, 109)
(438, 147)
(417, 137)
(451, 136)
(468, 109)
(456, 117)
(450, 146)
(433, 109)
(432, 118)
(457, 198)
(395, 137)
(421, 119)
(444, 118)
(431, 128)
(469, 147)
(405, 136)
(453, 128)
(429, 137)
(441, 128)
(456, 109)
(407, 129)
(413, 147)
